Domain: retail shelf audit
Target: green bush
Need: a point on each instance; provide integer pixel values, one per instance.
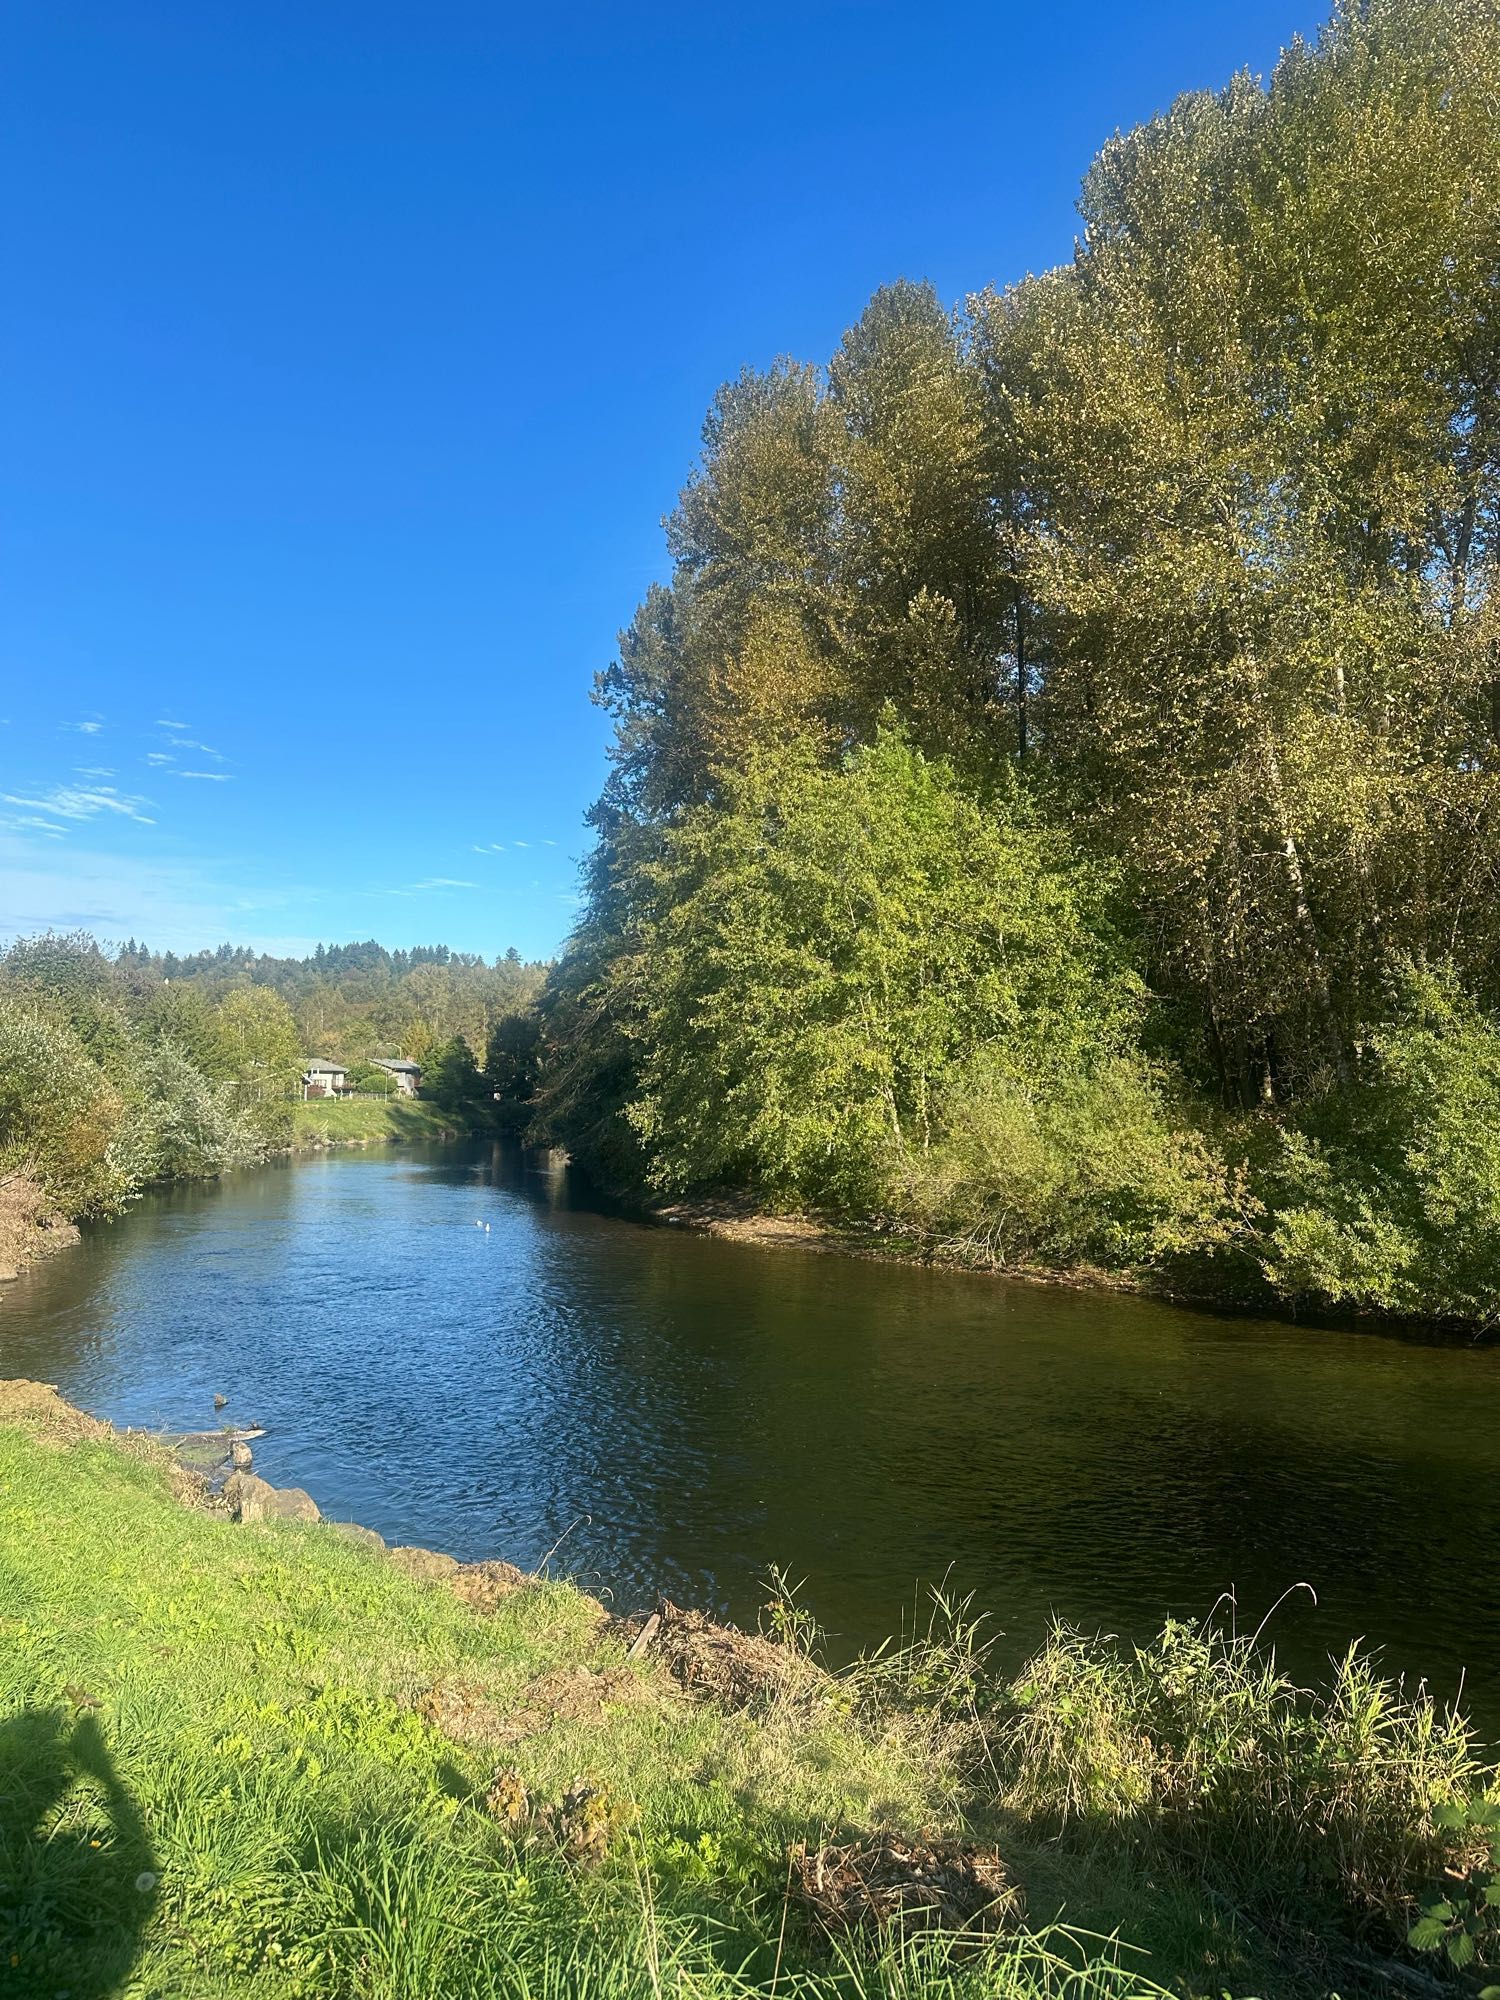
(59, 1117)
(179, 1125)
(1095, 1167)
(829, 945)
(375, 1082)
(1387, 1195)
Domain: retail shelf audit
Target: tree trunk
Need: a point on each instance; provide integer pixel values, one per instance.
(1021, 712)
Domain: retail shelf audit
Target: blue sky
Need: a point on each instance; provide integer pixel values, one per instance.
(350, 356)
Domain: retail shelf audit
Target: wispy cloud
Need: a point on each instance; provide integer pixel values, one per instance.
(90, 726)
(92, 771)
(549, 843)
(492, 847)
(203, 749)
(522, 843)
(160, 757)
(214, 777)
(163, 723)
(176, 904)
(82, 802)
(434, 885)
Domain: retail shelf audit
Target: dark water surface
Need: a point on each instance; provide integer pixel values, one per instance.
(680, 1412)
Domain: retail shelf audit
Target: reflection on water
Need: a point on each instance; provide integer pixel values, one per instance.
(679, 1412)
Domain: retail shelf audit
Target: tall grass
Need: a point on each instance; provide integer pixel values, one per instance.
(1199, 1748)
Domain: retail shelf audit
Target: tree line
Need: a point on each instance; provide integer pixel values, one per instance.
(1055, 802)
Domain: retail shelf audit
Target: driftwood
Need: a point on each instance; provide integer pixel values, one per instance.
(644, 1637)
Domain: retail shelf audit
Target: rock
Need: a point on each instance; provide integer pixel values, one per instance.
(426, 1565)
(245, 1496)
(351, 1531)
(252, 1499)
(240, 1456)
(220, 1402)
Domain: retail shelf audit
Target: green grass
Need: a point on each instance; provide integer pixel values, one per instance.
(322, 1121)
(227, 1716)
(222, 1769)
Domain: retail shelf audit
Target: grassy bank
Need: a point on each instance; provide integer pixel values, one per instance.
(237, 1753)
(370, 1121)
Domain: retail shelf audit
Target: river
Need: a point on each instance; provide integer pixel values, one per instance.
(662, 1411)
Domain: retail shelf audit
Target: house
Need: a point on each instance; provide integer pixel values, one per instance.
(408, 1075)
(324, 1079)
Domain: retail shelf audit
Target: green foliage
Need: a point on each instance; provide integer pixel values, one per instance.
(1097, 1165)
(826, 946)
(1389, 1193)
(1200, 1748)
(512, 1068)
(1463, 1920)
(59, 1117)
(450, 1076)
(376, 1082)
(181, 1126)
(1198, 534)
(257, 1028)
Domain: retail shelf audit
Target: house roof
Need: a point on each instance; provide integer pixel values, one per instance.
(381, 1062)
(324, 1069)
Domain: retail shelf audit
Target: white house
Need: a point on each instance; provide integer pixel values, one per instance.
(324, 1079)
(407, 1075)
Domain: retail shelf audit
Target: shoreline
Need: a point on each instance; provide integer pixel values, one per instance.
(735, 1220)
(508, 1743)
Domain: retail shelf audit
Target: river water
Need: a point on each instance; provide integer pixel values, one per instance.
(670, 1412)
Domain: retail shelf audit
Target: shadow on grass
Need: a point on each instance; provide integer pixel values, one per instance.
(77, 1876)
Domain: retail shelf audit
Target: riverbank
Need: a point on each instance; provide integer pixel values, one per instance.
(264, 1750)
(738, 1220)
(320, 1122)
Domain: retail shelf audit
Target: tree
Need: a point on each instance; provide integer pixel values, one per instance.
(450, 1076)
(59, 1117)
(512, 1065)
(828, 947)
(1256, 427)
(266, 1050)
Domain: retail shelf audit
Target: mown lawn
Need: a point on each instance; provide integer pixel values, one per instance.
(346, 1120)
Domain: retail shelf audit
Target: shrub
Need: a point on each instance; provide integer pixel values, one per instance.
(1091, 1167)
(58, 1114)
(377, 1082)
(179, 1125)
(1388, 1196)
(829, 946)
